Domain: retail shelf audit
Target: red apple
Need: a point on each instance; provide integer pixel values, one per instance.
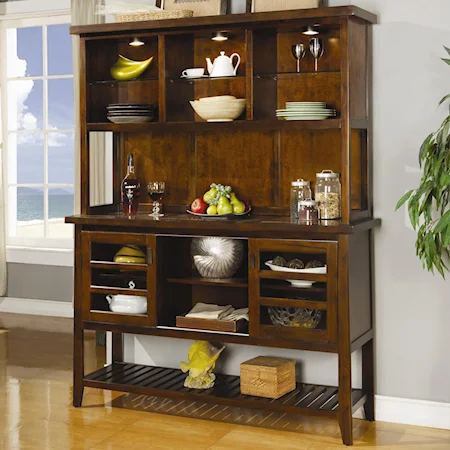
(199, 206)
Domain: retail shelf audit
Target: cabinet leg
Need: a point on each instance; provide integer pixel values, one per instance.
(117, 347)
(345, 398)
(368, 382)
(78, 366)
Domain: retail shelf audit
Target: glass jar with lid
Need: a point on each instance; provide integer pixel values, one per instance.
(308, 212)
(300, 190)
(328, 195)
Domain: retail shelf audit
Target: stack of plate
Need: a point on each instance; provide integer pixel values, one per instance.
(306, 111)
(131, 113)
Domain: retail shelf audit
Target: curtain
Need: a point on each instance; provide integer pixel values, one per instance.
(3, 269)
(83, 13)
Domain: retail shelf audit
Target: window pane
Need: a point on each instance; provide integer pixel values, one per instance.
(60, 104)
(28, 203)
(24, 52)
(60, 205)
(59, 50)
(60, 158)
(25, 105)
(26, 158)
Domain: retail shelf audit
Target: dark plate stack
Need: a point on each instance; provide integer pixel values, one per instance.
(131, 113)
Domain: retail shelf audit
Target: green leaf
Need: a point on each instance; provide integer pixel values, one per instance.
(444, 99)
(404, 199)
(446, 61)
(413, 212)
(446, 238)
(425, 146)
(447, 49)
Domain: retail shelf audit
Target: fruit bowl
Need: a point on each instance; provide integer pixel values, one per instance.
(247, 211)
(224, 108)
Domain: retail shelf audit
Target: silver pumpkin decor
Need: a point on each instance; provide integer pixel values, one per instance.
(216, 257)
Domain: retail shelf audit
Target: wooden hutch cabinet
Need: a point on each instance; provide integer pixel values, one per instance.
(259, 155)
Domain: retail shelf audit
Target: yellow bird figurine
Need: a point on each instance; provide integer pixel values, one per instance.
(202, 358)
(126, 70)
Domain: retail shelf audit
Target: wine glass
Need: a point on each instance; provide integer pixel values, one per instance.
(156, 193)
(316, 48)
(298, 51)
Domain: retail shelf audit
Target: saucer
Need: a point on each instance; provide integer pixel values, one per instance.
(187, 77)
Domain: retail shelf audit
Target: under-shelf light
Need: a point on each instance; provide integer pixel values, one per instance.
(220, 36)
(136, 42)
(311, 30)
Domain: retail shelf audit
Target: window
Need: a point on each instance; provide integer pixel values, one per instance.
(38, 130)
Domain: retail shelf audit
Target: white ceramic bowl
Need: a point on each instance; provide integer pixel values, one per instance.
(221, 110)
(127, 304)
(217, 98)
(297, 283)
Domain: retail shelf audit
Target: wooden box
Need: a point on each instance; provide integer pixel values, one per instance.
(227, 326)
(199, 7)
(3, 345)
(267, 377)
(282, 5)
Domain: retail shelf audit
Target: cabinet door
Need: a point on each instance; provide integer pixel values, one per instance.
(105, 276)
(289, 303)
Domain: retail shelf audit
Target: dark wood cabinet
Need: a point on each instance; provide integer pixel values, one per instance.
(259, 155)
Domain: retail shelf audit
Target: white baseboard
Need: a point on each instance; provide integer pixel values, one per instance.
(407, 411)
(36, 307)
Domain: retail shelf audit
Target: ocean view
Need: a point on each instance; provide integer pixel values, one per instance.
(31, 206)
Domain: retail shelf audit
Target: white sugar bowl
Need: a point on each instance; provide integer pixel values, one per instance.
(127, 304)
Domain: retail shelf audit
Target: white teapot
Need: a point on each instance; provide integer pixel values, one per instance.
(223, 65)
(127, 304)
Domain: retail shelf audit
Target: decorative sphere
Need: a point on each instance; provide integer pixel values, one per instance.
(216, 257)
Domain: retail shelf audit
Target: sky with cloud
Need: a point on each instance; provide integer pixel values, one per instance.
(26, 104)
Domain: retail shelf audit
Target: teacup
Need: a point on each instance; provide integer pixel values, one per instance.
(193, 73)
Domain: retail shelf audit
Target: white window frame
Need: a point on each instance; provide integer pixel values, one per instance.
(21, 249)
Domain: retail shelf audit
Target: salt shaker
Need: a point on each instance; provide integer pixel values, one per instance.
(300, 190)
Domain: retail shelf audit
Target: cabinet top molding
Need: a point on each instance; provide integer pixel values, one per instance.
(229, 20)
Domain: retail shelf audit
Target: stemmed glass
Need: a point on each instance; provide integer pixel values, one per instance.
(316, 48)
(298, 51)
(156, 193)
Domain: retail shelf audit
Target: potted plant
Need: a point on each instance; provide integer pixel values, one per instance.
(428, 204)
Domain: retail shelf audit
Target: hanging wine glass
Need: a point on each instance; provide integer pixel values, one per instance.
(316, 48)
(298, 51)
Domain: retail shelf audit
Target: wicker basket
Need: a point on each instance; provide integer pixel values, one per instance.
(267, 377)
(159, 15)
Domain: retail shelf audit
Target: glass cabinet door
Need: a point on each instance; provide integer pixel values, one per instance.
(119, 278)
(293, 289)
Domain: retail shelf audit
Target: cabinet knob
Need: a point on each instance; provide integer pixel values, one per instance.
(149, 256)
(252, 261)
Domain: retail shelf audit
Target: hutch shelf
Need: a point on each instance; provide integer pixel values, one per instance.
(259, 155)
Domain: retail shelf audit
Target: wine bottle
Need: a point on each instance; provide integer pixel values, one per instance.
(131, 190)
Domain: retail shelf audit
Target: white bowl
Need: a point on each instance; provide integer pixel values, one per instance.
(217, 98)
(219, 110)
(297, 283)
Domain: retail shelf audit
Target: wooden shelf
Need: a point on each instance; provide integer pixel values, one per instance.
(202, 79)
(114, 82)
(237, 125)
(306, 399)
(271, 275)
(219, 282)
(292, 303)
(277, 75)
(117, 291)
(118, 266)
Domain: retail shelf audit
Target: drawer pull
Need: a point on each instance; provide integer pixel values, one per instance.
(149, 256)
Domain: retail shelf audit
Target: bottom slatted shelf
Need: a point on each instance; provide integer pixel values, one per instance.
(165, 382)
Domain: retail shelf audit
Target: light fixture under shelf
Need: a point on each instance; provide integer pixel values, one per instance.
(311, 30)
(220, 36)
(136, 42)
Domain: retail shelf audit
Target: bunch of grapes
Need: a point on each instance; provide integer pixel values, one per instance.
(222, 191)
